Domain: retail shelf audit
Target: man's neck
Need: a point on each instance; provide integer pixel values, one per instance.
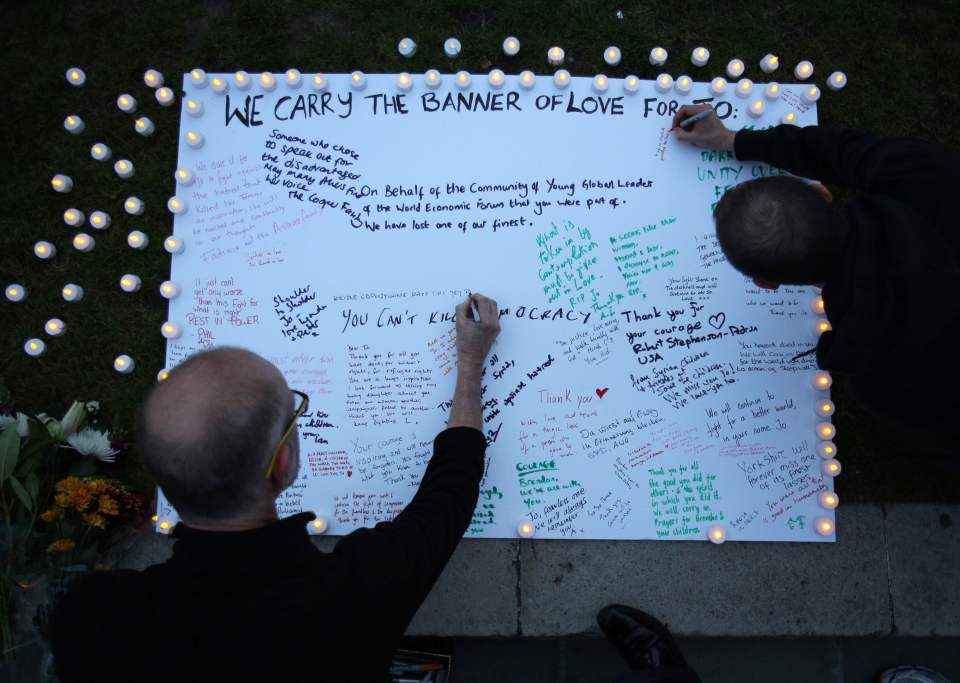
(246, 522)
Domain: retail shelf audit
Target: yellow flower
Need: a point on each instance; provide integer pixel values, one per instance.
(73, 493)
(108, 506)
(61, 545)
(94, 519)
(52, 515)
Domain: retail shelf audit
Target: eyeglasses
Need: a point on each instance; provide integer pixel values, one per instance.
(301, 409)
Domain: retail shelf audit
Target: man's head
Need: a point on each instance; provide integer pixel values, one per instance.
(779, 230)
(207, 433)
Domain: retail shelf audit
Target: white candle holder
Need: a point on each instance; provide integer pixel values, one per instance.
(293, 78)
(735, 68)
(600, 83)
(177, 205)
(169, 289)
(54, 327)
(769, 64)
(268, 82)
(612, 55)
(451, 47)
(136, 239)
(127, 103)
(462, 79)
(358, 80)
(821, 380)
(74, 218)
(100, 151)
(832, 467)
(803, 70)
(496, 78)
(744, 87)
(152, 78)
(163, 375)
(824, 526)
(664, 83)
(432, 78)
(717, 534)
(511, 46)
(683, 84)
(772, 91)
(61, 183)
(407, 47)
(74, 124)
(555, 55)
(319, 83)
(526, 528)
(174, 245)
(144, 126)
(757, 108)
(826, 431)
(133, 206)
(198, 78)
(194, 139)
(658, 56)
(165, 96)
(824, 408)
(242, 80)
(700, 56)
(43, 250)
(71, 292)
(789, 119)
(837, 81)
(631, 84)
(184, 177)
(124, 168)
(76, 77)
(130, 283)
(219, 85)
(404, 82)
(527, 80)
(83, 242)
(34, 347)
(561, 78)
(828, 500)
(124, 364)
(810, 94)
(826, 449)
(171, 330)
(193, 107)
(15, 292)
(718, 85)
(318, 526)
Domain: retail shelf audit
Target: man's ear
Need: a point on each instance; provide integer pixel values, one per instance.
(281, 469)
(823, 191)
(765, 284)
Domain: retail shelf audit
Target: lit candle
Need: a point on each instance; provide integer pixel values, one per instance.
(717, 534)
(744, 87)
(511, 46)
(74, 124)
(127, 103)
(61, 183)
(130, 283)
(184, 177)
(74, 217)
(826, 449)
(451, 47)
(144, 126)
(358, 80)
(176, 204)
(174, 245)
(219, 85)
(43, 250)
(683, 85)
(169, 289)
(828, 500)
(735, 68)
(600, 83)
(811, 94)
(153, 78)
(407, 48)
(718, 85)
(83, 242)
(100, 220)
(319, 83)
(561, 78)
(790, 118)
(772, 91)
(757, 107)
(198, 77)
(555, 55)
(432, 78)
(124, 365)
(75, 76)
(71, 292)
(318, 526)
(700, 56)
(54, 327)
(612, 55)
(171, 330)
(194, 139)
(242, 80)
(658, 56)
(631, 84)
(803, 70)
(526, 528)
(769, 64)
(194, 107)
(165, 527)
(496, 78)
(823, 526)
(664, 82)
(124, 168)
(162, 376)
(816, 305)
(527, 80)
(825, 408)
(820, 326)
(462, 80)
(267, 81)
(822, 380)
(837, 80)
(826, 431)
(100, 151)
(34, 347)
(165, 96)
(15, 292)
(133, 206)
(137, 239)
(831, 467)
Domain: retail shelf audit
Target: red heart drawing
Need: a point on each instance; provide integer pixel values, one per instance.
(601, 392)
(349, 473)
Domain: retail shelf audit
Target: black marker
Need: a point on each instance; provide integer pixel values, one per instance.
(690, 120)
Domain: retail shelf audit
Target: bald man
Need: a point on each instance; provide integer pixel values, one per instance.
(247, 596)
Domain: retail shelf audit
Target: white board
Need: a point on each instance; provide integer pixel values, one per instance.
(640, 388)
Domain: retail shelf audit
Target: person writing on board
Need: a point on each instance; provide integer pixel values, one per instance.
(246, 596)
(888, 259)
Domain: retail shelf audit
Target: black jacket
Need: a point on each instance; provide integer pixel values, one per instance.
(265, 604)
(893, 296)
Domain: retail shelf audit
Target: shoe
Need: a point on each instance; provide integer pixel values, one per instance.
(643, 641)
(912, 674)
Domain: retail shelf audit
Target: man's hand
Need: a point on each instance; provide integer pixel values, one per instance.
(709, 133)
(475, 337)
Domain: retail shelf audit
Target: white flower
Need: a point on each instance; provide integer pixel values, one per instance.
(91, 442)
(23, 429)
(73, 419)
(93, 406)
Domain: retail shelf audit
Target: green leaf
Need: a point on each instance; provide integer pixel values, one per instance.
(21, 493)
(32, 485)
(9, 451)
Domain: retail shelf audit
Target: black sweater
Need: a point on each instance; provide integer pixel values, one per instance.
(266, 605)
(893, 296)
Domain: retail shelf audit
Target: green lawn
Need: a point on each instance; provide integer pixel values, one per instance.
(902, 64)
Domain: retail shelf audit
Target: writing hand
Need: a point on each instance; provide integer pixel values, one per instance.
(475, 337)
(710, 133)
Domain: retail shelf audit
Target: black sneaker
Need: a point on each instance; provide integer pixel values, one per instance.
(912, 674)
(643, 641)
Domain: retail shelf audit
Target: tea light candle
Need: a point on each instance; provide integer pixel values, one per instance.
(826, 431)
(319, 83)
(744, 87)
(194, 139)
(683, 85)
(171, 330)
(822, 380)
(561, 78)
(198, 78)
(318, 526)
(527, 80)
(600, 83)
(127, 103)
(790, 118)
(74, 217)
(769, 64)
(837, 80)
(176, 205)
(34, 347)
(631, 84)
(184, 177)
(267, 81)
(358, 80)
(194, 107)
(612, 55)
(71, 292)
(144, 126)
(165, 96)
(658, 56)
(242, 80)
(137, 240)
(124, 168)
(100, 151)
(43, 250)
(462, 80)
(803, 70)
(828, 500)
(717, 534)
(772, 91)
(153, 78)
(163, 375)
(61, 183)
(100, 220)
(757, 107)
(823, 526)
(811, 94)
(664, 82)
(74, 124)
(130, 283)
(219, 85)
(54, 327)
(174, 245)
(735, 68)
(718, 85)
(133, 206)
(511, 46)
(555, 55)
(826, 450)
(817, 305)
(83, 242)
(407, 48)
(496, 78)
(832, 467)
(451, 47)
(432, 78)
(15, 292)
(526, 528)
(124, 365)
(165, 527)
(700, 56)
(825, 408)
(76, 77)
(169, 289)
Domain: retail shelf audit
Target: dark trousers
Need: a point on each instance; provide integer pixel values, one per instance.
(663, 674)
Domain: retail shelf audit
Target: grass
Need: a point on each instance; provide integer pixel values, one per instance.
(901, 59)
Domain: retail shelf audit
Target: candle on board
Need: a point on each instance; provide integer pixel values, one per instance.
(600, 83)
(527, 79)
(664, 83)
(683, 84)
(432, 78)
(561, 78)
(358, 80)
(171, 330)
(194, 107)
(198, 78)
(744, 87)
(828, 500)
(718, 85)
(772, 91)
(267, 81)
(757, 108)
(319, 83)
(219, 85)
(717, 534)
(174, 245)
(826, 431)
(822, 380)
(194, 139)
(790, 118)
(631, 84)
(242, 80)
(831, 467)
(823, 526)
(825, 408)
(462, 79)
(811, 94)
(526, 528)
(826, 450)
(177, 205)
(293, 78)
(496, 78)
